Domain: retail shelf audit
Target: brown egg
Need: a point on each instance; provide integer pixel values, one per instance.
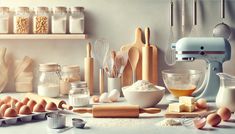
(18, 106)
(10, 112)
(6, 99)
(201, 103)
(3, 108)
(51, 106)
(39, 108)
(25, 110)
(213, 119)
(95, 98)
(224, 113)
(43, 102)
(31, 104)
(199, 123)
(25, 100)
(1, 103)
(13, 101)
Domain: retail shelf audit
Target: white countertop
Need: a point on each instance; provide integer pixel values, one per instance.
(144, 124)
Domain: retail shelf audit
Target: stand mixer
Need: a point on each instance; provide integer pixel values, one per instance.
(214, 51)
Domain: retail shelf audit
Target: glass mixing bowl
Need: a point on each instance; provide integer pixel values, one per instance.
(181, 82)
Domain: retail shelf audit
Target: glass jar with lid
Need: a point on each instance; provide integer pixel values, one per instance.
(41, 20)
(70, 73)
(21, 20)
(59, 20)
(79, 94)
(76, 20)
(4, 20)
(49, 78)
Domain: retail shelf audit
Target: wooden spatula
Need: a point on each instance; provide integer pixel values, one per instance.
(133, 59)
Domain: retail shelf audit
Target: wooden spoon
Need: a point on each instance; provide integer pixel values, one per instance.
(133, 59)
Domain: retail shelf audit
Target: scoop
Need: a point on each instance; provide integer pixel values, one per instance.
(133, 59)
(222, 29)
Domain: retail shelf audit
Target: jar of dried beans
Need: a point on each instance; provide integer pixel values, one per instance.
(4, 20)
(41, 20)
(21, 20)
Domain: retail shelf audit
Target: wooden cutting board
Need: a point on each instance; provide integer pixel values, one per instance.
(197, 113)
(138, 43)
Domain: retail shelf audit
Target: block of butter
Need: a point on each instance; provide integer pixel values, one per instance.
(176, 107)
(186, 100)
(189, 108)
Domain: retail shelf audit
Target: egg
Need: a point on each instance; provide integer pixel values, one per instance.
(31, 104)
(51, 106)
(95, 98)
(39, 108)
(224, 113)
(25, 100)
(13, 101)
(1, 103)
(3, 108)
(43, 103)
(199, 123)
(201, 103)
(18, 106)
(114, 95)
(213, 119)
(10, 112)
(6, 99)
(25, 110)
(104, 98)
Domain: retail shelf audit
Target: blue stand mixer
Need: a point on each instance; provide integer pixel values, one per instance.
(214, 51)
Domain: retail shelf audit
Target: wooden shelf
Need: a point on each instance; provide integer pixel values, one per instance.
(44, 36)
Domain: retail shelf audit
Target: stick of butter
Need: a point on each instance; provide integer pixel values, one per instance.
(189, 108)
(186, 100)
(176, 107)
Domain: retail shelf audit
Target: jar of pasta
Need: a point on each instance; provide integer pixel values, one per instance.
(41, 20)
(21, 20)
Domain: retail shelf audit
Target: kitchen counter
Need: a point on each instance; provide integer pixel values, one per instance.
(144, 124)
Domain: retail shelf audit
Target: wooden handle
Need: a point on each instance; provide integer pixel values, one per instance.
(101, 80)
(3, 52)
(113, 55)
(82, 110)
(150, 110)
(147, 36)
(65, 106)
(138, 36)
(88, 49)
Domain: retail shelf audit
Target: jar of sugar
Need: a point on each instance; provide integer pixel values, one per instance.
(49, 79)
(59, 20)
(21, 20)
(76, 20)
(4, 20)
(79, 94)
(41, 20)
(69, 73)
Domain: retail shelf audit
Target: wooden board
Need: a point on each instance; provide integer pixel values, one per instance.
(127, 74)
(187, 114)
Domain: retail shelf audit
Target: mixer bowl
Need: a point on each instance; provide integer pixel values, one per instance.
(181, 82)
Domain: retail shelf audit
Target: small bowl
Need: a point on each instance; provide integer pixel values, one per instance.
(143, 98)
(78, 123)
(11, 121)
(56, 120)
(25, 118)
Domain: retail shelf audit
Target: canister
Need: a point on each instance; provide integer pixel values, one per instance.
(76, 20)
(21, 20)
(4, 20)
(41, 20)
(59, 20)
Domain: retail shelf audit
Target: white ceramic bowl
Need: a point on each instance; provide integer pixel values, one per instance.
(144, 99)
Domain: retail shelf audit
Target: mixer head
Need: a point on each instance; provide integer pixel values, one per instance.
(209, 49)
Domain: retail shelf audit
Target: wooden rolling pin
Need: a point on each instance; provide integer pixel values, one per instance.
(89, 70)
(111, 111)
(147, 54)
(60, 103)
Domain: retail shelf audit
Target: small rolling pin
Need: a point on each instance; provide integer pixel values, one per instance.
(110, 111)
(60, 103)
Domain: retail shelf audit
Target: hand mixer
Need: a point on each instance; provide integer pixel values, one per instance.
(215, 51)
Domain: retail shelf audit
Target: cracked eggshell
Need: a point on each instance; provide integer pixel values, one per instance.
(114, 95)
(104, 98)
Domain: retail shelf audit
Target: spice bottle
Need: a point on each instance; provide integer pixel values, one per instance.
(76, 20)
(21, 20)
(79, 94)
(4, 20)
(70, 73)
(59, 20)
(49, 79)
(41, 20)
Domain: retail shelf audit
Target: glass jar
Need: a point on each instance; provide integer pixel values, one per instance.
(41, 20)
(59, 20)
(79, 94)
(4, 20)
(49, 79)
(70, 74)
(21, 20)
(76, 20)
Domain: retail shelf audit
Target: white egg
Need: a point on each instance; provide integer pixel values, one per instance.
(114, 95)
(104, 97)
